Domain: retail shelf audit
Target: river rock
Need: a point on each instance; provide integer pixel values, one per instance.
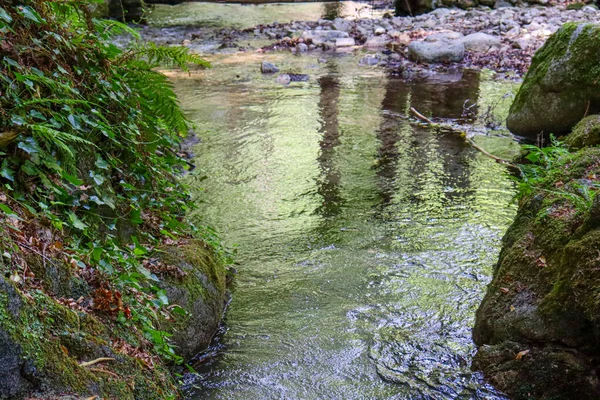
(480, 42)
(562, 83)
(439, 48)
(585, 134)
(301, 48)
(537, 327)
(344, 42)
(268, 68)
(376, 41)
(319, 37)
(200, 291)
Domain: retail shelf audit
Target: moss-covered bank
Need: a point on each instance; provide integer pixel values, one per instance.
(45, 338)
(103, 283)
(538, 326)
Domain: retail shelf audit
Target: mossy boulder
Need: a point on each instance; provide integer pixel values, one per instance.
(44, 340)
(199, 288)
(585, 134)
(562, 84)
(538, 327)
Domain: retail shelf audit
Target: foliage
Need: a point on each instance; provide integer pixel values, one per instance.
(546, 174)
(88, 139)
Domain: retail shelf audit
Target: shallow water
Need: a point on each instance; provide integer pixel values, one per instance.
(241, 16)
(365, 243)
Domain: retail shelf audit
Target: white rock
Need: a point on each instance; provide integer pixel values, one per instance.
(344, 42)
(379, 30)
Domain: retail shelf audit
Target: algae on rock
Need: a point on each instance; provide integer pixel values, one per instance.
(537, 327)
(562, 84)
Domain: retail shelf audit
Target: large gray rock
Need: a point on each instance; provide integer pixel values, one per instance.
(537, 327)
(562, 84)
(444, 47)
(198, 285)
(480, 42)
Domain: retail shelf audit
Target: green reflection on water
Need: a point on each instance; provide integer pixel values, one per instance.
(365, 243)
(242, 16)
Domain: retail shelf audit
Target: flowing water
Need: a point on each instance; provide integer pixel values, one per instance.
(364, 242)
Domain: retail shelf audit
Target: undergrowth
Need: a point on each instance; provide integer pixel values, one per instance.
(551, 172)
(89, 134)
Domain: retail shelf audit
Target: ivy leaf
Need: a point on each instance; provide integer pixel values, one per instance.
(99, 179)
(72, 179)
(30, 14)
(76, 222)
(6, 172)
(29, 145)
(136, 216)
(4, 16)
(74, 122)
(7, 210)
(11, 62)
(100, 163)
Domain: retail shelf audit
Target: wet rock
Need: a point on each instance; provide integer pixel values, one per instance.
(536, 329)
(268, 68)
(437, 49)
(585, 134)
(201, 292)
(319, 37)
(480, 42)
(369, 61)
(561, 85)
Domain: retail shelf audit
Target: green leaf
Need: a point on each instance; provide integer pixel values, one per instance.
(76, 222)
(136, 216)
(99, 179)
(6, 172)
(100, 163)
(30, 14)
(4, 16)
(7, 210)
(72, 179)
(29, 145)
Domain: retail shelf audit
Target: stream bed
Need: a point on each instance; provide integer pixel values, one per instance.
(364, 242)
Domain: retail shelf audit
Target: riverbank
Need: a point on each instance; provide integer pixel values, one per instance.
(105, 289)
(506, 38)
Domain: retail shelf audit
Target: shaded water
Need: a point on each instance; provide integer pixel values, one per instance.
(365, 243)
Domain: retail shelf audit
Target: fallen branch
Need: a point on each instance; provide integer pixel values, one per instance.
(96, 361)
(469, 141)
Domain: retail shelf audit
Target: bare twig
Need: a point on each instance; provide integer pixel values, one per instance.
(96, 361)
(469, 141)
(422, 117)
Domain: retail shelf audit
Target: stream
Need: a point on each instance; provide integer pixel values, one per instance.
(364, 242)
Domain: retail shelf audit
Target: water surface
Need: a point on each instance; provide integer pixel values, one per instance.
(365, 243)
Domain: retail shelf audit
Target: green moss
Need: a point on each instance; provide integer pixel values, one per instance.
(585, 134)
(57, 339)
